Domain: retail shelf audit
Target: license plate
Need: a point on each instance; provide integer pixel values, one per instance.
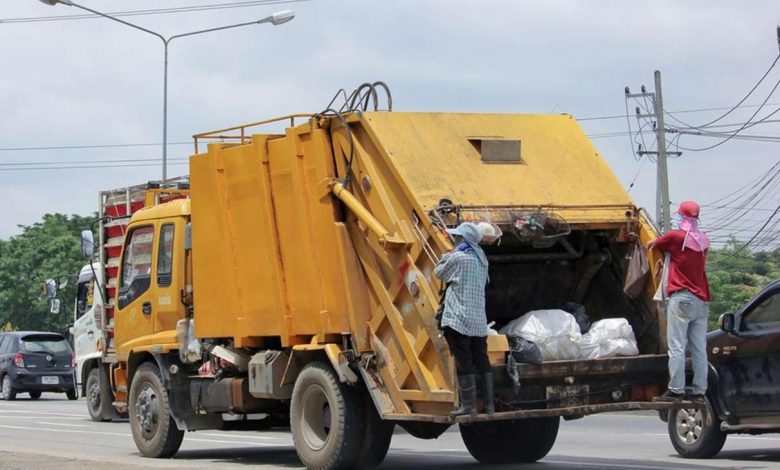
(567, 395)
(50, 380)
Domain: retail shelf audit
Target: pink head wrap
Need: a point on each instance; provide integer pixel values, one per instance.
(687, 220)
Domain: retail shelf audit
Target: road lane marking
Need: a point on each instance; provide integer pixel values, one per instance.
(62, 424)
(104, 433)
(242, 437)
(44, 417)
(627, 464)
(42, 413)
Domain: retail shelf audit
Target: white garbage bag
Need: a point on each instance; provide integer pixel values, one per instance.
(555, 333)
(609, 338)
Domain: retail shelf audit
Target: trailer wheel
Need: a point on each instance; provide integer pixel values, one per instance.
(695, 432)
(505, 442)
(94, 396)
(377, 436)
(326, 419)
(154, 430)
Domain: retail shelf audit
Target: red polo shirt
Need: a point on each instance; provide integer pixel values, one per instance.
(687, 266)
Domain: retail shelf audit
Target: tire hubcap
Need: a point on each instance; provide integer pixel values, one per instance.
(93, 395)
(147, 411)
(689, 425)
(316, 418)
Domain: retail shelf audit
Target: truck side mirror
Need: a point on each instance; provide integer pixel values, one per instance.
(54, 306)
(50, 288)
(87, 244)
(727, 322)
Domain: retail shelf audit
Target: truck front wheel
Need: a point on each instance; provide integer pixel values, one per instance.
(95, 397)
(506, 442)
(326, 419)
(695, 432)
(154, 430)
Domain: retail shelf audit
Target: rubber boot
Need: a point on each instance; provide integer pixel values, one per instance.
(487, 381)
(467, 388)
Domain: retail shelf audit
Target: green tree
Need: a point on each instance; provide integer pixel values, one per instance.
(47, 249)
(736, 274)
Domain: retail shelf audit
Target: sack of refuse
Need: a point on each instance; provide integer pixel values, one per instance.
(580, 314)
(554, 332)
(524, 351)
(609, 338)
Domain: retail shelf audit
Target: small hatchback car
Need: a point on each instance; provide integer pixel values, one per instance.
(743, 395)
(35, 362)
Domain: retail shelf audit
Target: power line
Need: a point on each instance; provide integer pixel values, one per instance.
(72, 162)
(86, 167)
(91, 146)
(158, 11)
(699, 110)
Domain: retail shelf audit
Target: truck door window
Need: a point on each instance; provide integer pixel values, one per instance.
(165, 256)
(765, 316)
(84, 297)
(137, 265)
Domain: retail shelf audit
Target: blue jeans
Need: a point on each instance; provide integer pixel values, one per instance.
(686, 322)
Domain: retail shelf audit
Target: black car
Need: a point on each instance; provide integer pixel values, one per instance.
(743, 393)
(35, 362)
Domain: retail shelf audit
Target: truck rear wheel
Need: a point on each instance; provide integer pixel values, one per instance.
(154, 430)
(94, 396)
(326, 419)
(377, 435)
(695, 432)
(505, 442)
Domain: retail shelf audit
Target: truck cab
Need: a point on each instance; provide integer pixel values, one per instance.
(87, 309)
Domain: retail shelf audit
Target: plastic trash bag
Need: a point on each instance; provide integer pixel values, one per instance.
(555, 333)
(609, 338)
(525, 351)
(636, 275)
(580, 314)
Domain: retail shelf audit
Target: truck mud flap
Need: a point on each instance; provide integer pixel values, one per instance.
(178, 386)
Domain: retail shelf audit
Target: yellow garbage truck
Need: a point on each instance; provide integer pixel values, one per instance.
(288, 282)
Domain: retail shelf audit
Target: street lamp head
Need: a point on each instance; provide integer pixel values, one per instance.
(54, 2)
(281, 17)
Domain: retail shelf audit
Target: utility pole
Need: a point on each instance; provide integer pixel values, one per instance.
(662, 177)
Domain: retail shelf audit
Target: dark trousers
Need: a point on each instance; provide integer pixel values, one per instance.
(470, 352)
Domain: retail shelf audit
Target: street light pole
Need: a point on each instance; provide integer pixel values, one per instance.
(275, 19)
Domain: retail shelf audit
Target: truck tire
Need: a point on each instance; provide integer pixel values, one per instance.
(695, 432)
(423, 430)
(507, 442)
(154, 430)
(326, 419)
(377, 435)
(9, 394)
(95, 397)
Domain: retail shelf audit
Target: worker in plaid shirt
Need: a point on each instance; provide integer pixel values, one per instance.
(464, 271)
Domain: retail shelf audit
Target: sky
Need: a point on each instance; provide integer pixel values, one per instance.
(97, 83)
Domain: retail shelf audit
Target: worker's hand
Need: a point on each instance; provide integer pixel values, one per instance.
(649, 246)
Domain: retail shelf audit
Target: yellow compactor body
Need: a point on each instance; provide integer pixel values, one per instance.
(301, 283)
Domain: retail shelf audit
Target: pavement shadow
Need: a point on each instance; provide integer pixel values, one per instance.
(276, 456)
(750, 455)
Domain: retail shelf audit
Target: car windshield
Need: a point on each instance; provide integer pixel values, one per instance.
(48, 344)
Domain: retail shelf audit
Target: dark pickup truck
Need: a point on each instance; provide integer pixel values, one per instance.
(744, 380)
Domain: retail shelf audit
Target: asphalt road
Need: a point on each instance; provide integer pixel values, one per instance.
(56, 433)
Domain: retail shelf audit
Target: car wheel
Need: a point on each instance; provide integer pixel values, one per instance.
(72, 394)
(35, 394)
(154, 431)
(8, 388)
(695, 432)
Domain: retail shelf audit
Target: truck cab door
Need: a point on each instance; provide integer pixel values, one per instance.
(752, 369)
(85, 330)
(134, 318)
(169, 275)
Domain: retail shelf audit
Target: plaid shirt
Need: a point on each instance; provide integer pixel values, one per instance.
(464, 302)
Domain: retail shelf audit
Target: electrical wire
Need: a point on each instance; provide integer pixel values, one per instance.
(158, 11)
(93, 146)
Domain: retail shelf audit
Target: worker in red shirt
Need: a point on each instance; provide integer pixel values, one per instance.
(687, 307)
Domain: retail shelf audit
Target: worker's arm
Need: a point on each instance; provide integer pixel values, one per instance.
(447, 266)
(664, 242)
